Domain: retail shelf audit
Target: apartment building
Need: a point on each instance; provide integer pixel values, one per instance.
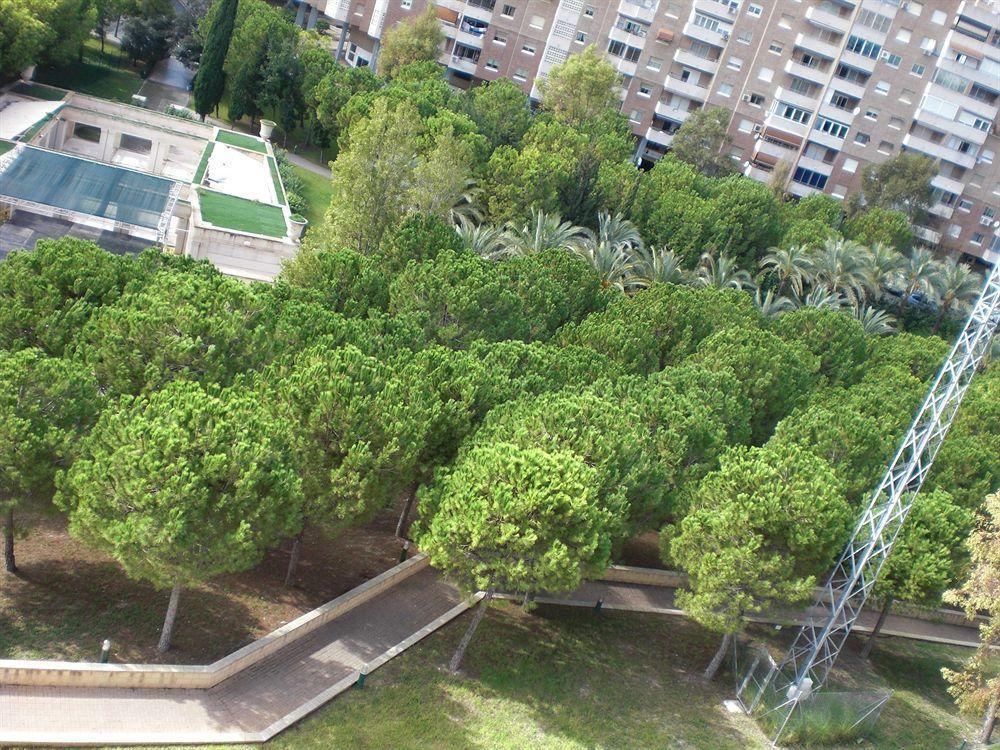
(825, 86)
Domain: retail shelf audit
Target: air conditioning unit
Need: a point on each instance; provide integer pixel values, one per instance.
(732, 10)
(725, 36)
(985, 221)
(884, 54)
(757, 128)
(746, 97)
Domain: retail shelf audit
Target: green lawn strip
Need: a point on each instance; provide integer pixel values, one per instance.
(36, 91)
(276, 179)
(199, 174)
(240, 214)
(31, 132)
(567, 679)
(101, 75)
(317, 191)
(241, 140)
(6, 146)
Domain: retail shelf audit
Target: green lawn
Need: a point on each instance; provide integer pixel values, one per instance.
(567, 679)
(6, 146)
(98, 75)
(232, 212)
(276, 179)
(241, 140)
(203, 164)
(39, 92)
(316, 190)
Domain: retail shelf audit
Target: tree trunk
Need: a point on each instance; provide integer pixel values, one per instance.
(940, 318)
(991, 718)
(456, 658)
(870, 643)
(404, 517)
(720, 654)
(168, 622)
(293, 560)
(8, 542)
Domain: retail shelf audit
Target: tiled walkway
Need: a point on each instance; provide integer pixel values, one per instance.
(264, 699)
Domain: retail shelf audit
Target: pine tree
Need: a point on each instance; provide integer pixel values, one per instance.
(210, 82)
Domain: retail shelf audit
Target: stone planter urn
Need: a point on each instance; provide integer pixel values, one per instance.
(298, 223)
(28, 73)
(266, 128)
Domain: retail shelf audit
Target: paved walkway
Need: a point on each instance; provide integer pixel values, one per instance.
(266, 698)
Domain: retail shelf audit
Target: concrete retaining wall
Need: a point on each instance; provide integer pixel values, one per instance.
(78, 674)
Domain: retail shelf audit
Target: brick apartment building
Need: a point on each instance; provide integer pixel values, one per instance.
(826, 86)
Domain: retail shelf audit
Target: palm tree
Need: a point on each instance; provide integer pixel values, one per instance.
(843, 266)
(660, 265)
(613, 263)
(959, 285)
(484, 240)
(884, 263)
(617, 230)
(824, 298)
(792, 267)
(874, 321)
(918, 273)
(544, 232)
(771, 305)
(722, 273)
(466, 208)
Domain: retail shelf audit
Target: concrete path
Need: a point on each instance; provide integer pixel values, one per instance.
(167, 84)
(312, 166)
(259, 702)
(249, 707)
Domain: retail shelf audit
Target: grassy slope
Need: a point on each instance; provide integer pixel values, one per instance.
(565, 679)
(316, 190)
(98, 75)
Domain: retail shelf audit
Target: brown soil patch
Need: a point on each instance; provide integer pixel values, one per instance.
(67, 598)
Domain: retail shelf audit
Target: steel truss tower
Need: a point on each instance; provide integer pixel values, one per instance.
(805, 666)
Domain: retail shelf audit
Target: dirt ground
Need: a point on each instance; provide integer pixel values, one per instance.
(66, 598)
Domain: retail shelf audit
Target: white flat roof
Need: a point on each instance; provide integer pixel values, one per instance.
(239, 172)
(17, 114)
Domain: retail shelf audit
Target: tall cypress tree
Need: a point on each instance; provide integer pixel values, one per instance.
(210, 82)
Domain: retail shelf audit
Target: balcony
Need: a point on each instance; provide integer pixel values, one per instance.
(771, 148)
(850, 88)
(948, 184)
(459, 63)
(691, 60)
(816, 165)
(983, 109)
(927, 235)
(982, 77)
(826, 20)
(787, 126)
(792, 97)
(942, 211)
(845, 116)
(952, 127)
(821, 48)
(668, 112)
(801, 191)
(858, 61)
(939, 151)
(825, 139)
(338, 10)
(757, 172)
(799, 70)
(686, 88)
(637, 10)
(714, 8)
(658, 136)
(715, 38)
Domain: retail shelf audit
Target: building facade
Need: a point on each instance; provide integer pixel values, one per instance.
(825, 87)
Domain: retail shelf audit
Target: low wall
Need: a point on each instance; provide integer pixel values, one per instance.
(80, 674)
(675, 579)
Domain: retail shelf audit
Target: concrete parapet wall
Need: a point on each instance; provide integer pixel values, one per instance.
(645, 576)
(79, 674)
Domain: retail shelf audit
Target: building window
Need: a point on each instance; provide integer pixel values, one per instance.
(954, 231)
(765, 74)
(673, 9)
(746, 126)
(744, 37)
(635, 115)
(977, 238)
(965, 205)
(775, 48)
(508, 11)
(756, 100)
(906, 96)
(645, 90)
(862, 139)
(863, 47)
(406, 4)
(90, 133)
(896, 123)
(885, 147)
(725, 89)
(528, 49)
(939, 17)
(654, 63)
(581, 37)
(793, 113)
(904, 35)
(832, 127)
(893, 60)
(785, 21)
(520, 74)
(754, 10)
(499, 37)
(874, 20)
(808, 177)
(624, 51)
(537, 22)
(850, 166)
(871, 113)
(589, 11)
(492, 64)
(735, 63)
(882, 87)
(914, 8)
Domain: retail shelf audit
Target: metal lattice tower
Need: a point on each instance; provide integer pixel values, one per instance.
(819, 641)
